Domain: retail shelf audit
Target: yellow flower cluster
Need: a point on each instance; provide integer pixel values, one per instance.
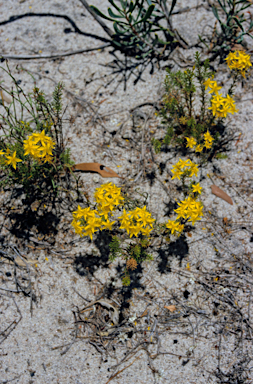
(191, 142)
(39, 145)
(208, 140)
(239, 61)
(221, 106)
(136, 221)
(86, 222)
(10, 159)
(188, 209)
(184, 167)
(108, 197)
(174, 225)
(214, 88)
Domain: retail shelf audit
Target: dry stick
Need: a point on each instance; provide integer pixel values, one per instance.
(181, 41)
(8, 381)
(56, 56)
(97, 18)
(250, 296)
(13, 325)
(116, 374)
(28, 271)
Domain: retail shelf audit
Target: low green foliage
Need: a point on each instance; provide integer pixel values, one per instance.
(221, 156)
(32, 152)
(133, 254)
(142, 27)
(188, 110)
(233, 28)
(115, 249)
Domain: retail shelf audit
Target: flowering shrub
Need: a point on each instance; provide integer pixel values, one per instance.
(86, 222)
(32, 153)
(137, 223)
(180, 114)
(188, 209)
(39, 146)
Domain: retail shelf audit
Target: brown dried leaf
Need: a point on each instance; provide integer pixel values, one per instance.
(220, 193)
(171, 308)
(144, 313)
(225, 220)
(95, 167)
(20, 262)
(237, 47)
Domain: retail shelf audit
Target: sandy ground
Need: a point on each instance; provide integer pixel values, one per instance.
(33, 352)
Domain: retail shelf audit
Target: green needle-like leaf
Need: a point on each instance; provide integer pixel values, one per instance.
(245, 7)
(147, 15)
(215, 12)
(114, 5)
(117, 30)
(123, 4)
(99, 13)
(114, 15)
(238, 23)
(131, 6)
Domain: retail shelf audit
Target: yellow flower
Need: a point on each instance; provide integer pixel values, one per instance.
(146, 231)
(2, 153)
(180, 228)
(77, 227)
(239, 61)
(181, 211)
(43, 150)
(80, 212)
(208, 144)
(183, 163)
(199, 148)
(176, 174)
(196, 188)
(198, 208)
(124, 218)
(187, 203)
(108, 224)
(208, 83)
(214, 87)
(172, 225)
(144, 217)
(230, 103)
(13, 160)
(30, 147)
(190, 142)
(194, 170)
(137, 220)
(207, 136)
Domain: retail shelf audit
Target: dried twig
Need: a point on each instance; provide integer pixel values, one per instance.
(55, 56)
